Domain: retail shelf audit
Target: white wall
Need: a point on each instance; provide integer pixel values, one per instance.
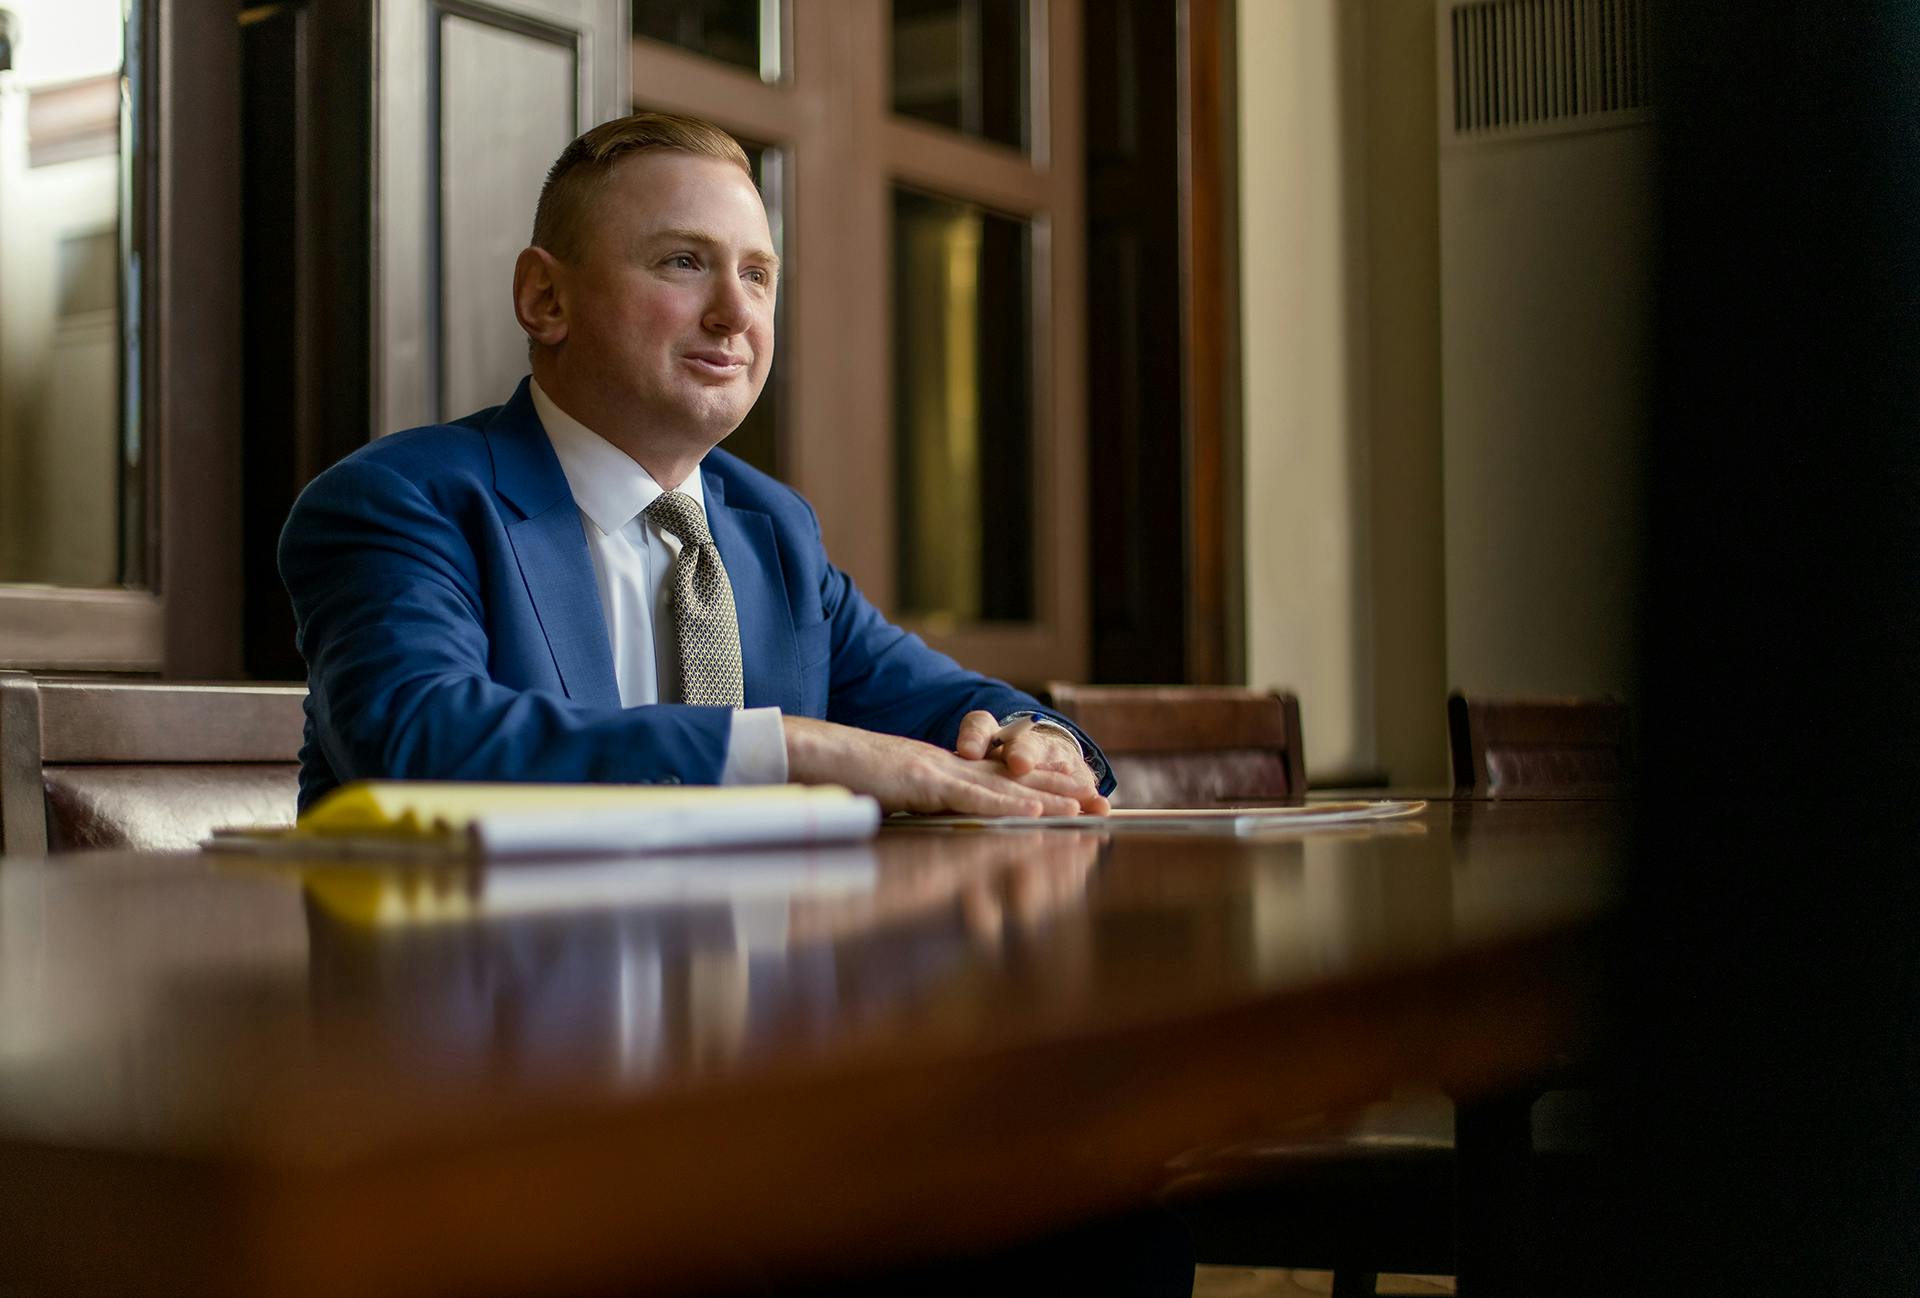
(1444, 356)
(1547, 248)
(1339, 265)
(1305, 452)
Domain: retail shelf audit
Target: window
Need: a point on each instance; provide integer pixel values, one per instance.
(73, 470)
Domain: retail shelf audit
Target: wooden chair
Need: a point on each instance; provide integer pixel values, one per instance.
(1520, 747)
(155, 766)
(1185, 746)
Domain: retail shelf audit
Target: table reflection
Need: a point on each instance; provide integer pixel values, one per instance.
(186, 994)
(450, 971)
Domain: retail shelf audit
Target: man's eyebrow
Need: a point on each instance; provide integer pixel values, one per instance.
(682, 234)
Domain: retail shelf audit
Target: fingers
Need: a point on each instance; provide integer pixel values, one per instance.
(1029, 748)
(906, 775)
(982, 793)
(977, 731)
(1010, 732)
(1078, 785)
(982, 789)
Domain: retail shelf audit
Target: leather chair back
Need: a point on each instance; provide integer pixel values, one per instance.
(144, 765)
(1518, 747)
(1191, 745)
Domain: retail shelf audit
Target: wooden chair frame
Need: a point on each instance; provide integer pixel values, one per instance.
(1162, 720)
(1479, 725)
(88, 722)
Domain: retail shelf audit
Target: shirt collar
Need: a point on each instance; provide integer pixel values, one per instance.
(608, 485)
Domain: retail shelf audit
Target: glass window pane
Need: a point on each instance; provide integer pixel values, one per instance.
(757, 439)
(745, 33)
(963, 64)
(963, 412)
(70, 477)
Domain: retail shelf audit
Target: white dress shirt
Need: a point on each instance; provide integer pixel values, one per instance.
(630, 561)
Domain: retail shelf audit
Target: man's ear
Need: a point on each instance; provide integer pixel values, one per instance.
(536, 297)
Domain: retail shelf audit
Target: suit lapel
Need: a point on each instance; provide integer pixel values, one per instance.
(552, 552)
(553, 560)
(745, 540)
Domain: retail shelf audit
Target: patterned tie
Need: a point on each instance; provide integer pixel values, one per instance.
(700, 599)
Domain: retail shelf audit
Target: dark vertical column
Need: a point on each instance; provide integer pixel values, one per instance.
(1771, 990)
(1135, 404)
(271, 316)
(306, 301)
(1210, 334)
(193, 321)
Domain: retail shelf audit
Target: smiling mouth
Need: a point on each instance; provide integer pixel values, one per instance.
(713, 363)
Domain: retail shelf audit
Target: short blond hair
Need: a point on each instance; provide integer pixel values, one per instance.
(580, 172)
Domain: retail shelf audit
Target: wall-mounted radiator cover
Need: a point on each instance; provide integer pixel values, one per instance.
(1541, 66)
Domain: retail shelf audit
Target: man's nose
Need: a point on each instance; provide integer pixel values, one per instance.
(729, 310)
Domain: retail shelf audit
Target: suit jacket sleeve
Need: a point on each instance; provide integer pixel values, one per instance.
(388, 597)
(890, 680)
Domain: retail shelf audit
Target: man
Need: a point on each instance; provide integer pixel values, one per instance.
(578, 586)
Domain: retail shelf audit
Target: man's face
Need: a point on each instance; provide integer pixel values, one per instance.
(669, 305)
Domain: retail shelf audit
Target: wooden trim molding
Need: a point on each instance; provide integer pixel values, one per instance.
(1209, 207)
(81, 630)
(735, 100)
(954, 166)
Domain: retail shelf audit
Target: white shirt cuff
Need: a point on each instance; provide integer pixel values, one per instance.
(756, 748)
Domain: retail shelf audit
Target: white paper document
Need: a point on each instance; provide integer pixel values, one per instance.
(1205, 820)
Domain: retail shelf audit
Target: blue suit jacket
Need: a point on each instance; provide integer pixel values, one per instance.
(452, 629)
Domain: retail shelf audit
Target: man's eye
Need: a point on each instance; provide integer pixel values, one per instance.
(757, 276)
(680, 260)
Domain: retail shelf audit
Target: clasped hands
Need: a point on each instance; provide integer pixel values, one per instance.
(1013, 770)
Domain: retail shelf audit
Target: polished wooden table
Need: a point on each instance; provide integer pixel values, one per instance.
(219, 1076)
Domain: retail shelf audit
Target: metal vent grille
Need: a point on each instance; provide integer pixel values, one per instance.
(1520, 63)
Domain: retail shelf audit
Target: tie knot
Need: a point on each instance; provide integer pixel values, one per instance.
(676, 512)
